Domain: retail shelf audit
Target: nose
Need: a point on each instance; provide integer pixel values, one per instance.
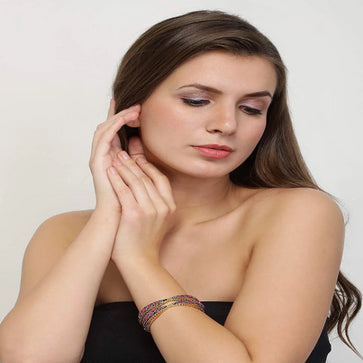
(223, 121)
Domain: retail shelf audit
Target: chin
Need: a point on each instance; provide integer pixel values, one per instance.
(198, 171)
(173, 164)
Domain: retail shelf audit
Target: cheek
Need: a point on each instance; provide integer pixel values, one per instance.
(248, 138)
(162, 121)
(260, 130)
(253, 133)
(157, 113)
(158, 123)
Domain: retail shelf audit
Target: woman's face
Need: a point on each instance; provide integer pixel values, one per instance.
(216, 99)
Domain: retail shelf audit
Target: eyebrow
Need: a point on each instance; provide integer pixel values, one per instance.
(217, 91)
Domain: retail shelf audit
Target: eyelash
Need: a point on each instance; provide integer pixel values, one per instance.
(198, 103)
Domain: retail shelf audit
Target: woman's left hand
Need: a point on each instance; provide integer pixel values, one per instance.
(146, 201)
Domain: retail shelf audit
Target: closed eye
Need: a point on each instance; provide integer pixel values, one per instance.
(195, 102)
(251, 111)
(200, 102)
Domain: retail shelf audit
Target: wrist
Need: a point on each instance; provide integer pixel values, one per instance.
(104, 215)
(138, 261)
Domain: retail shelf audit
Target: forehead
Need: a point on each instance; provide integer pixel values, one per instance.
(225, 71)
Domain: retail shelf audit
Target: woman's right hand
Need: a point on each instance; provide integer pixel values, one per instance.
(106, 144)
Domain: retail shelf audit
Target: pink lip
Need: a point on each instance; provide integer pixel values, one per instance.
(216, 146)
(214, 150)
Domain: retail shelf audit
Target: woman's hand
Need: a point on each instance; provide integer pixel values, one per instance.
(147, 203)
(105, 146)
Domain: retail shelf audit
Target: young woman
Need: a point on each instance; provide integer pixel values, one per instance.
(208, 229)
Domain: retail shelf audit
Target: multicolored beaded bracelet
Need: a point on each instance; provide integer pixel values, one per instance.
(149, 314)
(153, 308)
(148, 323)
(150, 307)
(152, 311)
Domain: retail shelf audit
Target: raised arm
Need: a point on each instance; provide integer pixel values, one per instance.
(63, 267)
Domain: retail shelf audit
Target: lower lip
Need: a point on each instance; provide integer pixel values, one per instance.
(212, 153)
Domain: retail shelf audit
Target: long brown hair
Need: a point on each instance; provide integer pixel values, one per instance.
(276, 160)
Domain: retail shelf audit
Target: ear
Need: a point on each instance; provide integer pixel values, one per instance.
(135, 123)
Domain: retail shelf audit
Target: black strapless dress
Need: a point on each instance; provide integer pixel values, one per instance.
(115, 335)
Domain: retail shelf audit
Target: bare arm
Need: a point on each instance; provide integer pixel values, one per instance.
(51, 318)
(282, 305)
(55, 303)
(286, 294)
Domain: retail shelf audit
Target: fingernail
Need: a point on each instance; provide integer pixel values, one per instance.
(117, 161)
(112, 170)
(124, 155)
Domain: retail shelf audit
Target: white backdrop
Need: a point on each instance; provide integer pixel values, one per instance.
(58, 59)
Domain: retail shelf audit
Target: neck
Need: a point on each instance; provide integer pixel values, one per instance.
(197, 199)
(201, 199)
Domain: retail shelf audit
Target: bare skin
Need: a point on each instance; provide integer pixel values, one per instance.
(270, 251)
(190, 263)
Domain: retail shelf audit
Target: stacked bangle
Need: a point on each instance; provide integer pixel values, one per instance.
(151, 312)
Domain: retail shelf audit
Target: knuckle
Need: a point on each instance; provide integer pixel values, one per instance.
(172, 208)
(144, 179)
(140, 159)
(140, 213)
(98, 128)
(138, 182)
(163, 178)
(150, 212)
(96, 135)
(164, 210)
(91, 164)
(122, 189)
(134, 213)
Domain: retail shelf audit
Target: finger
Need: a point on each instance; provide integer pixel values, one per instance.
(112, 125)
(131, 172)
(116, 117)
(136, 183)
(116, 120)
(104, 136)
(123, 158)
(105, 141)
(160, 181)
(115, 145)
(122, 191)
(111, 109)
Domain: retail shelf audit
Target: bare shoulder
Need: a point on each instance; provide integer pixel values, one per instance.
(48, 243)
(58, 231)
(302, 196)
(66, 225)
(289, 283)
(293, 206)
